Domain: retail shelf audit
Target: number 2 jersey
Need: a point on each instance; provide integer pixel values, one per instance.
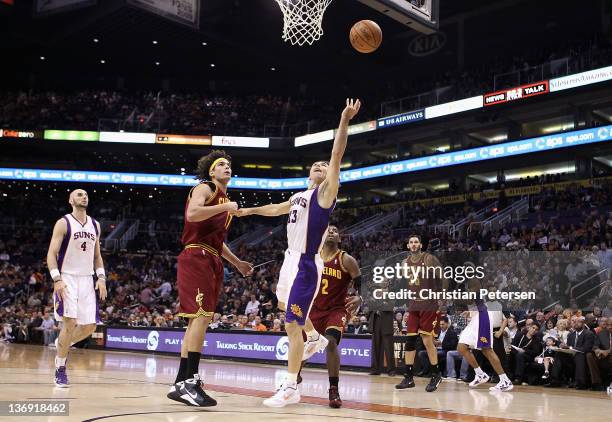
(76, 255)
(307, 222)
(335, 282)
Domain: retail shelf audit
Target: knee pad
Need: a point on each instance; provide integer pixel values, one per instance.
(411, 343)
(335, 333)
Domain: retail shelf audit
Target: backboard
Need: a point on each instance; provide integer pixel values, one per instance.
(420, 15)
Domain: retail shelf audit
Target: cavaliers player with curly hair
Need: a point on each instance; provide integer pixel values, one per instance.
(208, 214)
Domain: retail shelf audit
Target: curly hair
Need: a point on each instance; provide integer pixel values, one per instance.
(203, 169)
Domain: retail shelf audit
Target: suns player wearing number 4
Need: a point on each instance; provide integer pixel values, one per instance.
(299, 277)
(73, 254)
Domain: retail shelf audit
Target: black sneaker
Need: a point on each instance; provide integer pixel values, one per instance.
(192, 392)
(299, 378)
(407, 382)
(334, 398)
(435, 380)
(174, 394)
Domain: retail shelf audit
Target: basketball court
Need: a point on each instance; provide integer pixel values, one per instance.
(131, 386)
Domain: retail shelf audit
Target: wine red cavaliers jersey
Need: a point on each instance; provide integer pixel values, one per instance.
(423, 278)
(335, 282)
(208, 234)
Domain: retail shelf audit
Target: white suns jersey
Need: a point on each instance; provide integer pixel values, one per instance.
(307, 223)
(76, 255)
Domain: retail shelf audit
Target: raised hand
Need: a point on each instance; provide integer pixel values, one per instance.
(351, 109)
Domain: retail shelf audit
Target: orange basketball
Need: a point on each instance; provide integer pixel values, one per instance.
(366, 36)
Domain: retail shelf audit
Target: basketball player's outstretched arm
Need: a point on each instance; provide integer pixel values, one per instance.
(99, 266)
(329, 188)
(59, 231)
(197, 209)
(245, 268)
(271, 210)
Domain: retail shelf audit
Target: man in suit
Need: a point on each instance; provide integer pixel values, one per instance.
(527, 345)
(381, 326)
(574, 366)
(447, 340)
(600, 361)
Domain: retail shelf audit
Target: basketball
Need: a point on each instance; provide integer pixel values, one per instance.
(366, 36)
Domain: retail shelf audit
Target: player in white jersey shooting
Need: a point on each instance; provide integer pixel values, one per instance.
(299, 277)
(73, 254)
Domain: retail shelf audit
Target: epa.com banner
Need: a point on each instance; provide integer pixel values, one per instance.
(229, 344)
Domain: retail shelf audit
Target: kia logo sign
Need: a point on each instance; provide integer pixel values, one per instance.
(424, 45)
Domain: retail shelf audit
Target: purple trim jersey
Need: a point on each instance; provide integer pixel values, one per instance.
(307, 223)
(76, 255)
(301, 271)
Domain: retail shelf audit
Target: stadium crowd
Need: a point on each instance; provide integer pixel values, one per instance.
(269, 115)
(565, 238)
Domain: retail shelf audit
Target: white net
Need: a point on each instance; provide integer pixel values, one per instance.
(302, 20)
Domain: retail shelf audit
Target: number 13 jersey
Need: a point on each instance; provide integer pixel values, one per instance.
(76, 255)
(307, 222)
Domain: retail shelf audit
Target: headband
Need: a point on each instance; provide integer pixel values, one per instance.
(214, 163)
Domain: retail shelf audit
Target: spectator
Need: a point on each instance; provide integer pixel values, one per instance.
(252, 306)
(525, 347)
(276, 326)
(258, 326)
(49, 329)
(447, 340)
(600, 361)
(573, 365)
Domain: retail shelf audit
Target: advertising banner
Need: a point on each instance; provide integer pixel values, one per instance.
(71, 135)
(26, 134)
(453, 107)
(401, 119)
(240, 141)
(313, 138)
(361, 127)
(517, 93)
(128, 137)
(232, 344)
(581, 79)
(183, 139)
(472, 155)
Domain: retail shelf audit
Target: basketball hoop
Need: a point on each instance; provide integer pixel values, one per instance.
(302, 20)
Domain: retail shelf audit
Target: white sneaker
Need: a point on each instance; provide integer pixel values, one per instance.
(478, 380)
(502, 386)
(314, 346)
(284, 395)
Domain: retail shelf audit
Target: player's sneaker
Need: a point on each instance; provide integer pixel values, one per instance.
(334, 398)
(502, 386)
(314, 346)
(61, 377)
(434, 382)
(407, 382)
(174, 392)
(285, 395)
(191, 391)
(479, 379)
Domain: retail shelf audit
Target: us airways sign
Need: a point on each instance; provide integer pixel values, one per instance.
(517, 93)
